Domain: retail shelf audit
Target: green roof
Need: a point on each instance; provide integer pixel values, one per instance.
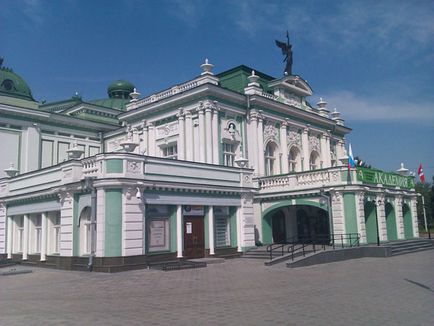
(13, 85)
(236, 79)
(113, 103)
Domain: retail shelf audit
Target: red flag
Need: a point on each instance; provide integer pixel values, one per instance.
(420, 173)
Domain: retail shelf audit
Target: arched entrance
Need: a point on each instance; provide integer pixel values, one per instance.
(408, 226)
(392, 233)
(370, 222)
(295, 223)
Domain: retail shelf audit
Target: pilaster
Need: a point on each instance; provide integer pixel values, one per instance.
(360, 215)
(261, 150)
(202, 135)
(381, 217)
(44, 234)
(151, 139)
(179, 228)
(67, 224)
(399, 217)
(181, 135)
(215, 137)
(26, 222)
(211, 230)
(208, 133)
(305, 148)
(414, 217)
(10, 239)
(284, 147)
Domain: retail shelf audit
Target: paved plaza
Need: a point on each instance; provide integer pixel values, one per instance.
(368, 291)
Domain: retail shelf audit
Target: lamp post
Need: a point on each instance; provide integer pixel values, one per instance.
(377, 203)
(427, 227)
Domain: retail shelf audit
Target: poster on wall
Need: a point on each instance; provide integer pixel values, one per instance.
(157, 234)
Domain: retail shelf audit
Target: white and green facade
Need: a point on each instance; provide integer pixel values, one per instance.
(210, 167)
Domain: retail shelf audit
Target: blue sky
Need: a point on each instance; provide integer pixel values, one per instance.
(372, 60)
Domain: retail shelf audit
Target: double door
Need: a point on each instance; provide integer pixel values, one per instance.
(194, 239)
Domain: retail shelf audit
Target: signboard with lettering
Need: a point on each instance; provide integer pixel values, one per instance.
(384, 178)
(157, 234)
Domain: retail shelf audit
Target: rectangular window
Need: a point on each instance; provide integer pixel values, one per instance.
(170, 151)
(56, 235)
(228, 154)
(222, 231)
(38, 233)
(47, 153)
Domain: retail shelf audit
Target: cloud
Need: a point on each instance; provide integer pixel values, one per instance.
(189, 12)
(353, 107)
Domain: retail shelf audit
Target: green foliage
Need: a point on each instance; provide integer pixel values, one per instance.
(426, 189)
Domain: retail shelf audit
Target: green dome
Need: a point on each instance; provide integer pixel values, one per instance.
(120, 89)
(13, 85)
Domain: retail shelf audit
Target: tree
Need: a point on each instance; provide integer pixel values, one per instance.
(426, 189)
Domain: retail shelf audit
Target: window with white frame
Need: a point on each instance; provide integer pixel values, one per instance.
(56, 234)
(170, 151)
(314, 161)
(294, 159)
(19, 220)
(38, 232)
(85, 244)
(229, 154)
(222, 226)
(270, 158)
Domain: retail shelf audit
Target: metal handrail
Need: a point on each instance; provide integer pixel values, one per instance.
(299, 243)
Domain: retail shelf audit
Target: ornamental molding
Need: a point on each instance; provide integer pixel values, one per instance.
(293, 139)
(134, 167)
(246, 198)
(208, 104)
(167, 130)
(2, 209)
(230, 131)
(336, 197)
(314, 144)
(65, 198)
(270, 131)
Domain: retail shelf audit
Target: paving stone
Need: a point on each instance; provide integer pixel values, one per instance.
(368, 291)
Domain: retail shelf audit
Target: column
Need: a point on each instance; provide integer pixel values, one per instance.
(208, 134)
(189, 136)
(215, 136)
(284, 147)
(253, 153)
(151, 139)
(181, 135)
(211, 230)
(328, 162)
(26, 222)
(360, 215)
(239, 233)
(202, 137)
(44, 223)
(399, 217)
(10, 229)
(260, 161)
(179, 227)
(413, 210)
(144, 144)
(381, 218)
(305, 145)
(325, 153)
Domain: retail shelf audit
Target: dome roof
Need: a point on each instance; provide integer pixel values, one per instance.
(120, 89)
(13, 85)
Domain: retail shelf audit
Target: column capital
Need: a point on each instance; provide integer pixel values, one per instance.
(180, 115)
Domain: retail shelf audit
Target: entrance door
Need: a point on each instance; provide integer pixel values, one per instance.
(279, 227)
(194, 243)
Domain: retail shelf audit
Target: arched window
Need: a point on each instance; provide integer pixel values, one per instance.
(314, 161)
(85, 230)
(270, 158)
(294, 159)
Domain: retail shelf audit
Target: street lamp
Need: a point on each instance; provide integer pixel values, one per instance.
(427, 228)
(377, 202)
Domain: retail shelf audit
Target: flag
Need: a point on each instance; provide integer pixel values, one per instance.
(351, 163)
(420, 173)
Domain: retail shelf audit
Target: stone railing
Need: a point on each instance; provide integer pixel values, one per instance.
(90, 166)
(301, 180)
(173, 91)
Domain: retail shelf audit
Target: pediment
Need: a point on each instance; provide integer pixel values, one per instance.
(291, 85)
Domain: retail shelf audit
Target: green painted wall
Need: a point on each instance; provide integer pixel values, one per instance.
(370, 222)
(408, 228)
(350, 213)
(233, 225)
(392, 234)
(114, 166)
(113, 222)
(172, 229)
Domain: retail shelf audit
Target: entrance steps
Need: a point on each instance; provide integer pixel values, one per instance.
(259, 253)
(409, 246)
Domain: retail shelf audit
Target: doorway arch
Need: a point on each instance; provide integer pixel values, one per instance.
(392, 233)
(408, 225)
(370, 222)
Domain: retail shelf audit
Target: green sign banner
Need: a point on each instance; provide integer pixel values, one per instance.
(384, 178)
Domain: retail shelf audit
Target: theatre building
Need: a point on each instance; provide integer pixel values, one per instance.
(211, 167)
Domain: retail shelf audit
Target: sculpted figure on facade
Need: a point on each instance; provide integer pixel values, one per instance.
(270, 131)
